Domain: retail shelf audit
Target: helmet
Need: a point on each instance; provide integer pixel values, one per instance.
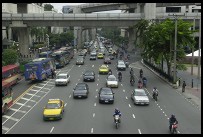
(116, 109)
(173, 115)
(154, 87)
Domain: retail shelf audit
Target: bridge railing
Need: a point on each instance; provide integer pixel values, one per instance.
(59, 16)
(180, 15)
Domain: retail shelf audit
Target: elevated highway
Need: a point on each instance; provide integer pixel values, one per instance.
(83, 20)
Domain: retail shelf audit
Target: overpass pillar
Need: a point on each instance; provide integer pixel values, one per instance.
(24, 40)
(149, 11)
(131, 40)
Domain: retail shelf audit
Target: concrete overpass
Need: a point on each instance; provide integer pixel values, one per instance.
(83, 20)
(96, 7)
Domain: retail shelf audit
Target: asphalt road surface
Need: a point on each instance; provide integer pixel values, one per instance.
(88, 116)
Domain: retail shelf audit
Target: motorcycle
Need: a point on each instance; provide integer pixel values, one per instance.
(132, 82)
(117, 120)
(139, 85)
(141, 74)
(119, 78)
(173, 129)
(145, 83)
(155, 95)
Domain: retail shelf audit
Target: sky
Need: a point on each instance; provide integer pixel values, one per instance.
(59, 6)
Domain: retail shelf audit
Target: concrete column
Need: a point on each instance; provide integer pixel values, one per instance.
(10, 34)
(79, 38)
(4, 35)
(131, 45)
(94, 31)
(150, 11)
(24, 40)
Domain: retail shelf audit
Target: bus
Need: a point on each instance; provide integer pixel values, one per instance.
(46, 54)
(11, 74)
(69, 51)
(59, 57)
(7, 96)
(39, 69)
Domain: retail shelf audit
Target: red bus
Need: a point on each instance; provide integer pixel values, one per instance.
(7, 97)
(11, 74)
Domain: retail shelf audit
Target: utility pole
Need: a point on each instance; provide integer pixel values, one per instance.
(193, 49)
(198, 76)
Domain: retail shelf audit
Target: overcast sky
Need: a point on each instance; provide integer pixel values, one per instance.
(59, 6)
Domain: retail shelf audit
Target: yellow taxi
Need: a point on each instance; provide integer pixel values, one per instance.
(100, 56)
(54, 109)
(103, 69)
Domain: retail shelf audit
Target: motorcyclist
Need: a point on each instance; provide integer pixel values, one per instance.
(117, 112)
(110, 72)
(132, 78)
(139, 83)
(120, 75)
(154, 91)
(144, 80)
(172, 120)
(141, 72)
(131, 71)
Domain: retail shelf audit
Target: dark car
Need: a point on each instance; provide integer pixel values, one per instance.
(82, 54)
(107, 60)
(80, 61)
(89, 75)
(111, 56)
(93, 57)
(81, 90)
(106, 95)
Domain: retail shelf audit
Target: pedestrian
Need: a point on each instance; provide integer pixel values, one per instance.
(183, 86)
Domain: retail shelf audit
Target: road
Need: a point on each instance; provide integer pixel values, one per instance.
(86, 116)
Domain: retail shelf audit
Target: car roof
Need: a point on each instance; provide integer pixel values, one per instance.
(111, 76)
(54, 101)
(139, 90)
(81, 84)
(89, 71)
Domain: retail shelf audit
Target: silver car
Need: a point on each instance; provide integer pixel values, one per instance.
(121, 66)
(112, 81)
(139, 96)
(62, 79)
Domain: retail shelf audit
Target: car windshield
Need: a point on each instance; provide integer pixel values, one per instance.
(52, 106)
(80, 88)
(61, 77)
(106, 92)
(121, 63)
(140, 94)
(88, 73)
(111, 79)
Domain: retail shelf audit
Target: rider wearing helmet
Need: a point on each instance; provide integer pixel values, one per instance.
(141, 72)
(154, 91)
(131, 71)
(172, 120)
(117, 112)
(119, 75)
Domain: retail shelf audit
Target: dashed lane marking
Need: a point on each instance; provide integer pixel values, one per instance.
(93, 114)
(124, 90)
(133, 116)
(28, 99)
(126, 97)
(129, 105)
(22, 104)
(91, 130)
(69, 96)
(51, 129)
(65, 104)
(139, 131)
(95, 104)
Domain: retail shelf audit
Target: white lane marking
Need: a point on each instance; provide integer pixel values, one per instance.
(38, 86)
(79, 65)
(69, 96)
(48, 88)
(129, 105)
(9, 117)
(17, 110)
(124, 90)
(33, 95)
(28, 99)
(139, 131)
(133, 116)
(96, 89)
(5, 128)
(163, 112)
(95, 104)
(126, 97)
(41, 91)
(34, 90)
(81, 75)
(178, 131)
(93, 114)
(92, 65)
(98, 79)
(65, 104)
(51, 129)
(121, 84)
(97, 84)
(91, 130)
(22, 104)
(78, 79)
(95, 96)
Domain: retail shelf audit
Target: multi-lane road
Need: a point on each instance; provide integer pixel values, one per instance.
(87, 116)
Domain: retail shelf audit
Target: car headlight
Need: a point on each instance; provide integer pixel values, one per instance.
(101, 98)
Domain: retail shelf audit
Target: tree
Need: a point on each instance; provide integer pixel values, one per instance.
(158, 41)
(48, 7)
(9, 56)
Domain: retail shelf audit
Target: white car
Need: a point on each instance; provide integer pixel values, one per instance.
(121, 66)
(112, 81)
(139, 96)
(62, 79)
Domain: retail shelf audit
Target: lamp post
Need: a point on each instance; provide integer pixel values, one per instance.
(198, 76)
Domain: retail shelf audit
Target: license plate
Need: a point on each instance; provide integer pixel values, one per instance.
(51, 118)
(79, 96)
(106, 101)
(88, 79)
(142, 103)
